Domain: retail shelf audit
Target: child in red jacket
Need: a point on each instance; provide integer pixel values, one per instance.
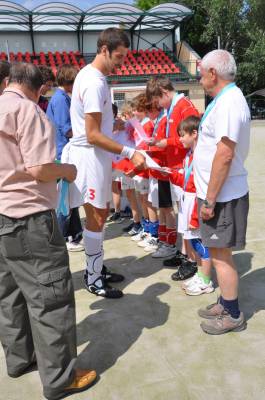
(188, 223)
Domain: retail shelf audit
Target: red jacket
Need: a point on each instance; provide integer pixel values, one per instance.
(158, 154)
(175, 150)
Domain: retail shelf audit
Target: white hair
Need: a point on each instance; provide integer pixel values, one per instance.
(223, 62)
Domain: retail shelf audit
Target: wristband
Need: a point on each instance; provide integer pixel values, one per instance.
(127, 152)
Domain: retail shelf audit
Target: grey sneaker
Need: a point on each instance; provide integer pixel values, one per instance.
(212, 311)
(223, 324)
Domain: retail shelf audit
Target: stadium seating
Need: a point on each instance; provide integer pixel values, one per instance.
(137, 63)
(53, 60)
(146, 62)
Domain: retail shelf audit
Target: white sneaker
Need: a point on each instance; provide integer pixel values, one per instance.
(144, 242)
(190, 281)
(152, 245)
(74, 246)
(164, 250)
(199, 287)
(140, 236)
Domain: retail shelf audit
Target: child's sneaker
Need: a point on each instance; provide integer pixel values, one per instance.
(140, 236)
(198, 286)
(144, 241)
(152, 245)
(136, 228)
(189, 282)
(115, 217)
(164, 250)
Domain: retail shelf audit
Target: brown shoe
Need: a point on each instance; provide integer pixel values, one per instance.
(82, 381)
(212, 311)
(224, 324)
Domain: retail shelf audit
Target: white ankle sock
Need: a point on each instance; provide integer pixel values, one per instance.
(93, 243)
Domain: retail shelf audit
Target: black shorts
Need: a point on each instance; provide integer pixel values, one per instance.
(227, 229)
(164, 194)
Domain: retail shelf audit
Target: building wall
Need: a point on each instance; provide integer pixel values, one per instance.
(148, 38)
(17, 41)
(52, 41)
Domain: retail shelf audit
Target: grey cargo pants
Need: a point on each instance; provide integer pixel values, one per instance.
(37, 306)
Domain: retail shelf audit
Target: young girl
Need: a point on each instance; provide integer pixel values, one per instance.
(188, 223)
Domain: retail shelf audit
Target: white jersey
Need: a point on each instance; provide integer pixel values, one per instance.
(230, 117)
(92, 185)
(91, 94)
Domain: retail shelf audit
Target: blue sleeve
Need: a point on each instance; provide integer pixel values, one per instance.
(60, 110)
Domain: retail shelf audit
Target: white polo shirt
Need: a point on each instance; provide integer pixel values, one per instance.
(230, 117)
(91, 94)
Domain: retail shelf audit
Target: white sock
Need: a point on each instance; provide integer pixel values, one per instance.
(93, 243)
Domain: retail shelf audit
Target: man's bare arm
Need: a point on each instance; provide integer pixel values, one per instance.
(97, 138)
(52, 171)
(220, 168)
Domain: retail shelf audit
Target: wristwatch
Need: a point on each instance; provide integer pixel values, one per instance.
(207, 204)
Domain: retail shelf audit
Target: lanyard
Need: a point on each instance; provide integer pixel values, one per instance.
(63, 207)
(145, 120)
(187, 170)
(213, 102)
(160, 116)
(170, 110)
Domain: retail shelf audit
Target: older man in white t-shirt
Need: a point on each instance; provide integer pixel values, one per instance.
(90, 151)
(221, 183)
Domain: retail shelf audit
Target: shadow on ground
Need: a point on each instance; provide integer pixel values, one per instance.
(117, 325)
(131, 267)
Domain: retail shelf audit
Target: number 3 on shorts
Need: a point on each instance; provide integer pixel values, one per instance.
(91, 194)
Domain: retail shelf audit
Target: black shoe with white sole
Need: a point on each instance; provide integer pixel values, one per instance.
(111, 277)
(185, 271)
(101, 288)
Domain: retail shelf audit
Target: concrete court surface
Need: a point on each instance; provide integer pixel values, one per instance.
(149, 345)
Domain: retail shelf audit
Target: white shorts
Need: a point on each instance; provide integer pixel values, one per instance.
(94, 175)
(153, 192)
(186, 206)
(116, 175)
(176, 192)
(127, 183)
(141, 184)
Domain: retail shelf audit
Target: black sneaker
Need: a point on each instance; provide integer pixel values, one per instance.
(115, 217)
(128, 228)
(101, 288)
(111, 277)
(176, 260)
(185, 271)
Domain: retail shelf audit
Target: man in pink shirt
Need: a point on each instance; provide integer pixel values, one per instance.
(37, 307)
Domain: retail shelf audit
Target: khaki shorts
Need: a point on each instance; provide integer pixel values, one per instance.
(227, 229)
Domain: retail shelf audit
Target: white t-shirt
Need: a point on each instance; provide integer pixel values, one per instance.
(230, 117)
(90, 94)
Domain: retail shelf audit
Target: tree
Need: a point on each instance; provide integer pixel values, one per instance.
(240, 25)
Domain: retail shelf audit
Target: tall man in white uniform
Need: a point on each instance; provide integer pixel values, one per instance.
(221, 183)
(90, 150)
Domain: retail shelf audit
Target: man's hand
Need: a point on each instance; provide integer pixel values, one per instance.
(138, 160)
(69, 172)
(206, 213)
